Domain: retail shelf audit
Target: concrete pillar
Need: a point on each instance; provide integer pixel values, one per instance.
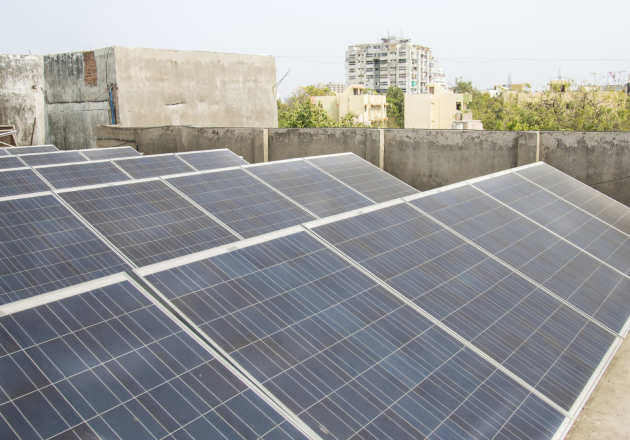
(265, 145)
(537, 146)
(381, 148)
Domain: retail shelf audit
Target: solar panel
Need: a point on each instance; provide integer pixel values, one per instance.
(110, 153)
(7, 162)
(363, 176)
(32, 149)
(108, 362)
(212, 159)
(56, 157)
(551, 347)
(575, 225)
(588, 198)
(311, 188)
(20, 181)
(44, 247)
(240, 201)
(154, 166)
(147, 220)
(351, 359)
(572, 274)
(88, 173)
(3, 152)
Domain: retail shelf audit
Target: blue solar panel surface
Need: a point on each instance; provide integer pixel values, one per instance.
(575, 225)
(241, 201)
(313, 189)
(52, 158)
(3, 152)
(349, 357)
(108, 363)
(67, 176)
(110, 153)
(154, 166)
(547, 344)
(7, 162)
(32, 149)
(24, 181)
(148, 221)
(212, 159)
(572, 274)
(43, 247)
(588, 198)
(364, 177)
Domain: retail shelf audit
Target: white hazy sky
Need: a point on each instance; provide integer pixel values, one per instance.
(480, 40)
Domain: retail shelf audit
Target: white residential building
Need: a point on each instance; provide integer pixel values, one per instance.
(392, 62)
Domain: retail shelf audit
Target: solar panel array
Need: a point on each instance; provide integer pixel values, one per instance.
(56, 157)
(110, 153)
(31, 149)
(466, 312)
(20, 181)
(7, 162)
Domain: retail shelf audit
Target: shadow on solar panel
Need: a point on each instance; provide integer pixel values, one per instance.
(104, 360)
(351, 359)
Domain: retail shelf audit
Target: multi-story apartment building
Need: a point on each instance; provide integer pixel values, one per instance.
(392, 62)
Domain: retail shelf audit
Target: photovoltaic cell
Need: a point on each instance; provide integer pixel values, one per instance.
(313, 189)
(364, 177)
(349, 357)
(32, 149)
(212, 159)
(43, 247)
(3, 152)
(108, 363)
(67, 176)
(578, 227)
(24, 181)
(542, 341)
(148, 221)
(52, 158)
(154, 166)
(572, 274)
(7, 162)
(110, 153)
(580, 194)
(240, 201)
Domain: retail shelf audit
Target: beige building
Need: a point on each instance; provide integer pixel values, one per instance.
(367, 108)
(438, 109)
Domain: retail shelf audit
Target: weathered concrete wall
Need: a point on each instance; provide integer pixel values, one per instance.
(601, 160)
(423, 158)
(77, 96)
(287, 143)
(430, 158)
(169, 87)
(246, 142)
(22, 97)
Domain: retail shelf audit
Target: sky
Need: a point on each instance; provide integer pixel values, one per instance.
(483, 41)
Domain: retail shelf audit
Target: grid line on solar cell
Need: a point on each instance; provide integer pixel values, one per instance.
(350, 358)
(154, 166)
(20, 181)
(561, 218)
(585, 283)
(108, 356)
(318, 192)
(241, 201)
(7, 162)
(43, 247)
(481, 300)
(147, 220)
(363, 176)
(585, 197)
(83, 174)
(52, 158)
(212, 159)
(110, 153)
(33, 149)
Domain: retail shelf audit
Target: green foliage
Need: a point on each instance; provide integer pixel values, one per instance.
(555, 109)
(395, 107)
(463, 86)
(300, 112)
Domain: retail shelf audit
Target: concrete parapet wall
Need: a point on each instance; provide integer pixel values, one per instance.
(423, 158)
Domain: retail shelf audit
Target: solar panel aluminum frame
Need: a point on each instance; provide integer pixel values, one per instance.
(120, 277)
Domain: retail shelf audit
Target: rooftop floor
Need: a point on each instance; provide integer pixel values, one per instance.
(605, 415)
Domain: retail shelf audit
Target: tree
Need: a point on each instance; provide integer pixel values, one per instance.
(395, 107)
(462, 86)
